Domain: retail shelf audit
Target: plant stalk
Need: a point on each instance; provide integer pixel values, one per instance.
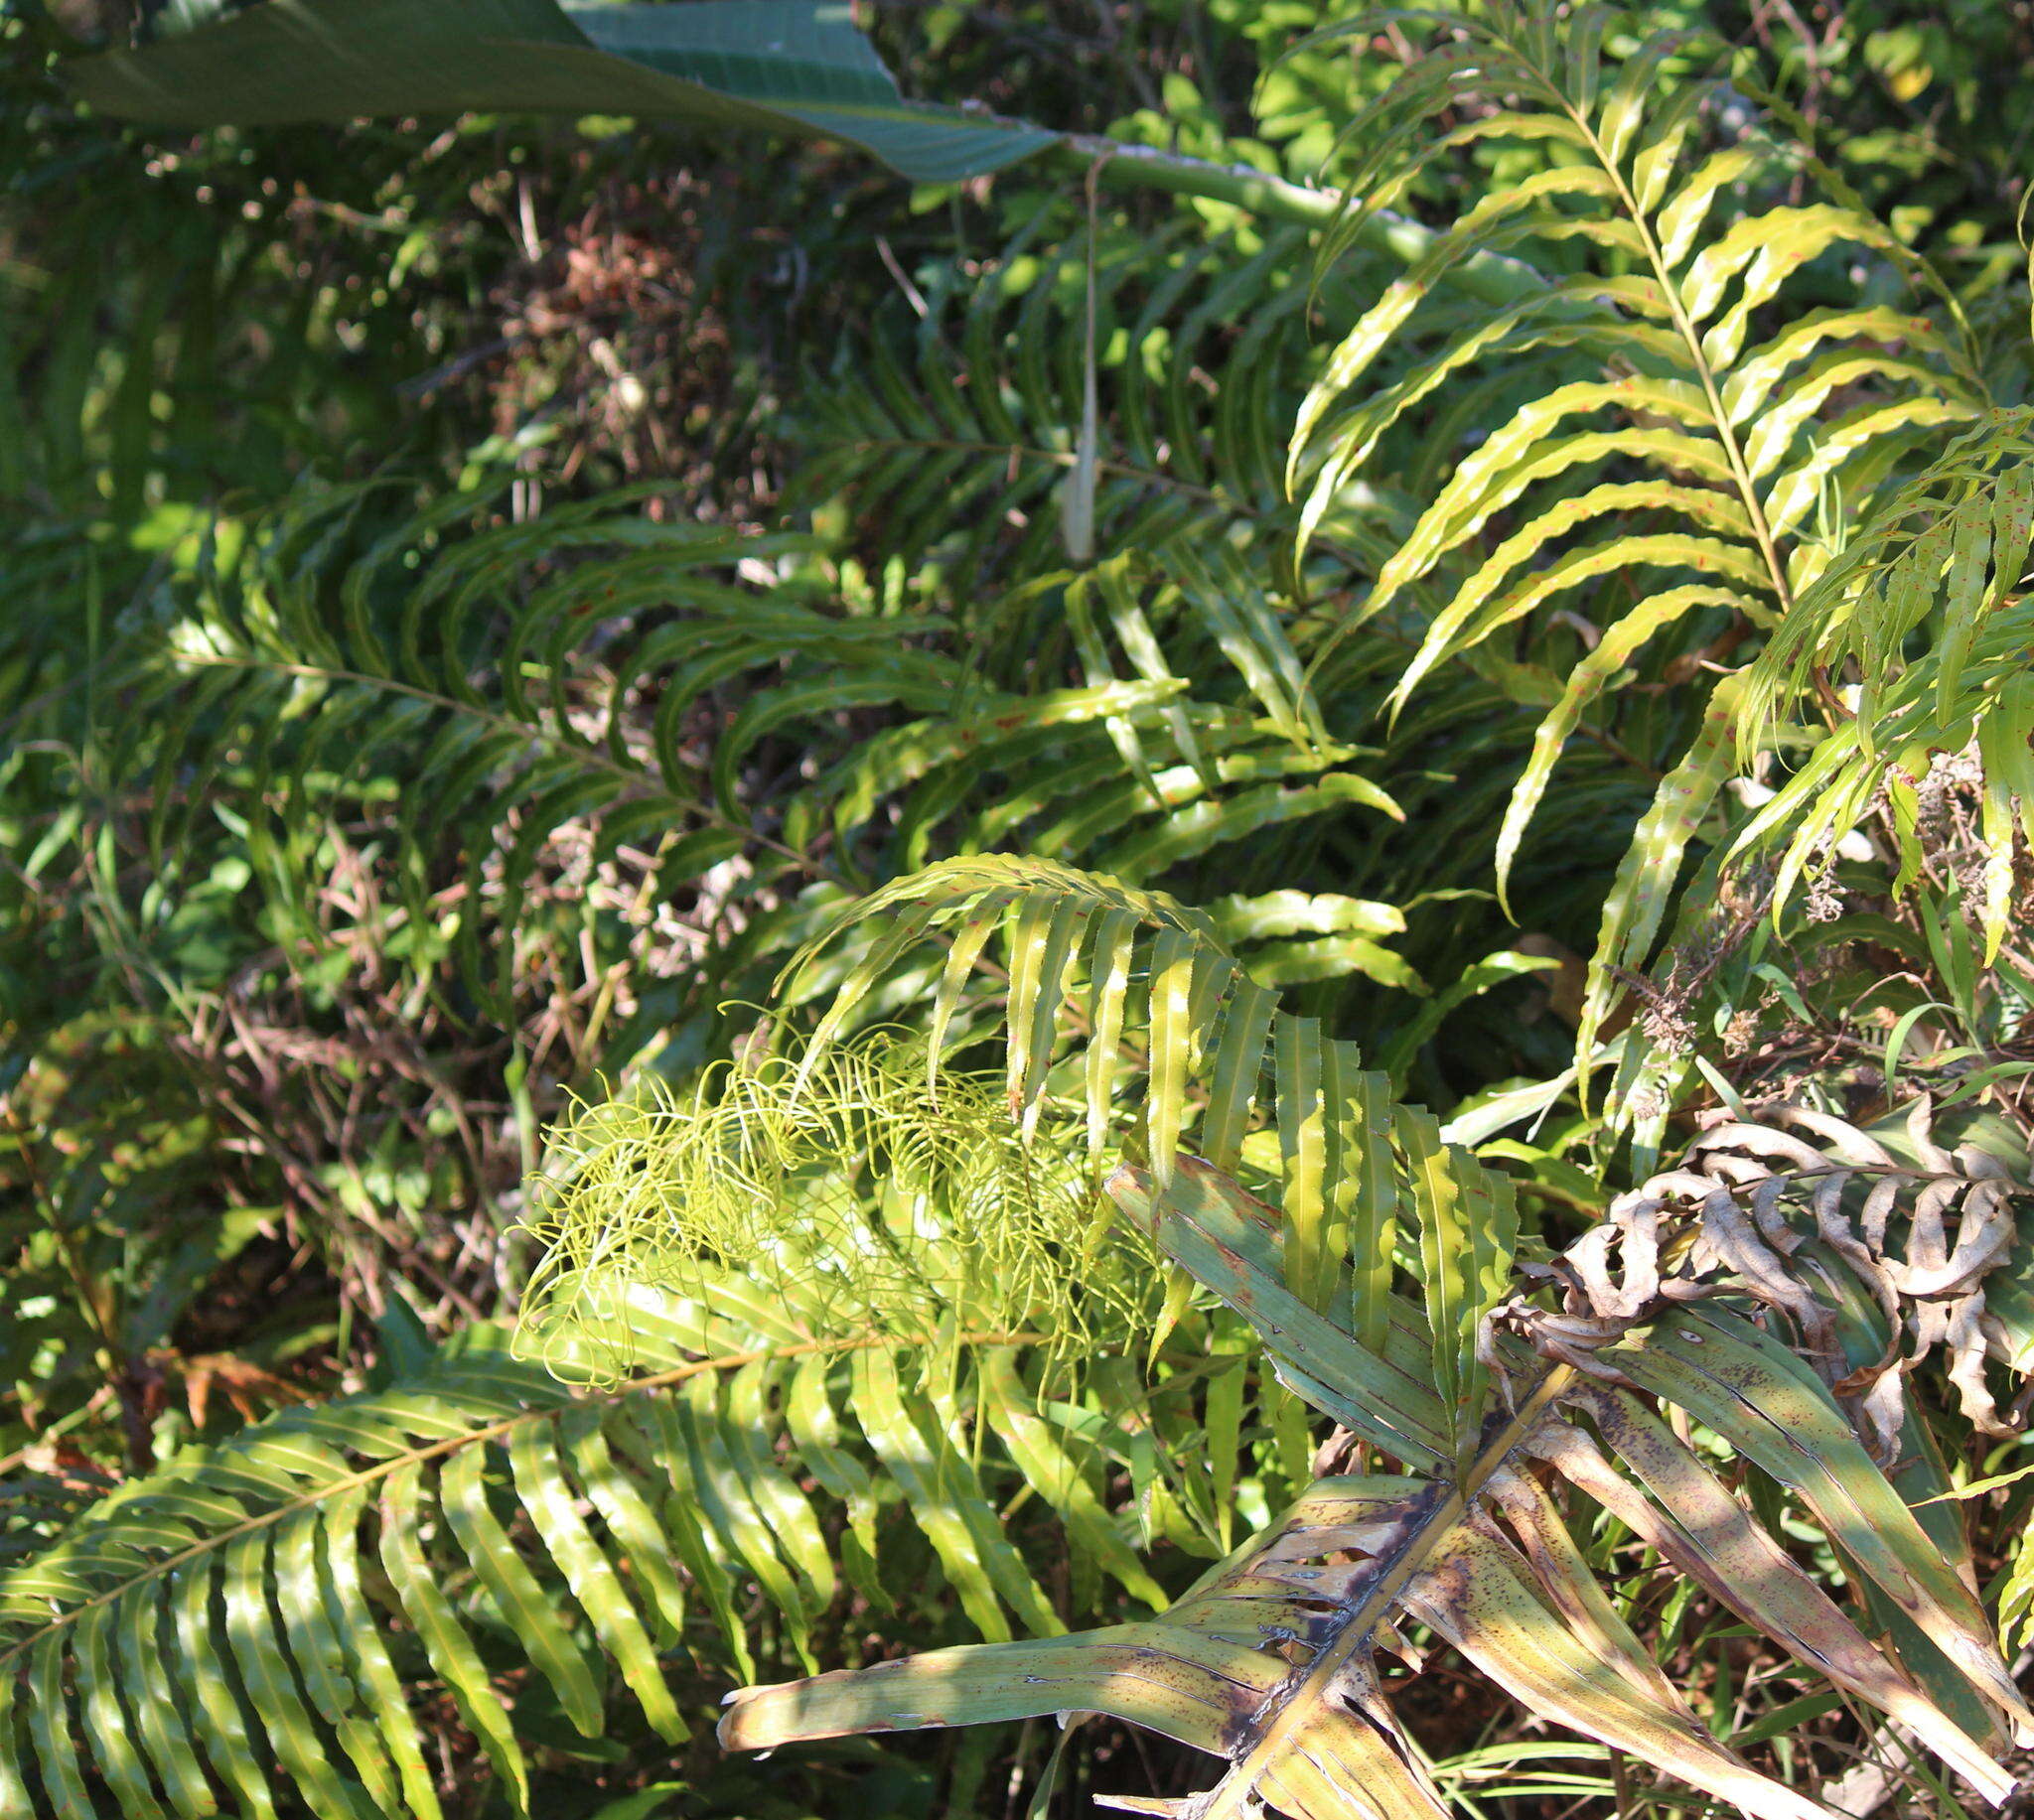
(1489, 276)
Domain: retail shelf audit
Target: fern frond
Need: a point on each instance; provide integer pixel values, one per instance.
(487, 669)
(252, 1617)
(958, 427)
(1662, 1322)
(1126, 964)
(160, 1597)
(1897, 683)
(1925, 607)
(1307, 1732)
(1677, 401)
(552, 695)
(845, 1189)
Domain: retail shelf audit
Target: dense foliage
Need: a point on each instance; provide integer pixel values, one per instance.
(1215, 926)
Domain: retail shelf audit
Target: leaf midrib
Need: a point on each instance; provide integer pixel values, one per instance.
(1762, 531)
(1235, 1795)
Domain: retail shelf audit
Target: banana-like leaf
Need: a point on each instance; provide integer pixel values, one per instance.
(797, 67)
(794, 66)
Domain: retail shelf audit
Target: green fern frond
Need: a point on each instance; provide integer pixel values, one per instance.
(255, 1617)
(552, 695)
(1898, 678)
(1470, 1545)
(159, 1601)
(1211, 720)
(959, 425)
(486, 668)
(1415, 1384)
(1925, 607)
(1174, 1043)
(1676, 403)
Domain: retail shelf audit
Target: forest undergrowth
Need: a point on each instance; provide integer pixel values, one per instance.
(1002, 906)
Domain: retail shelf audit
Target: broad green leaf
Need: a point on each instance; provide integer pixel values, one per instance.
(797, 67)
